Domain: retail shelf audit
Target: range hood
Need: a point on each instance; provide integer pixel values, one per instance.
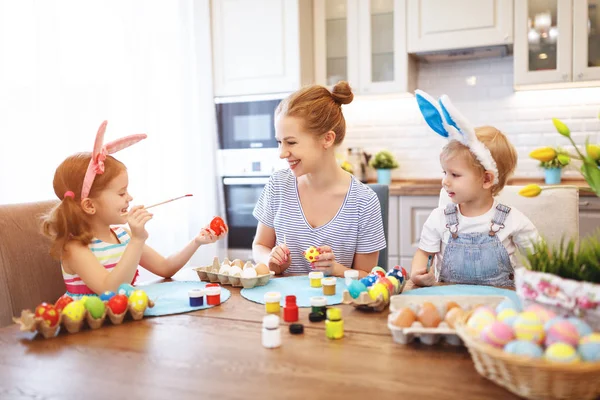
(464, 54)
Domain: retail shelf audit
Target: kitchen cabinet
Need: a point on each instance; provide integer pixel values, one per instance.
(436, 25)
(589, 216)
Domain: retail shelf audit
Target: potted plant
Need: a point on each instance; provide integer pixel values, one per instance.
(384, 161)
(552, 161)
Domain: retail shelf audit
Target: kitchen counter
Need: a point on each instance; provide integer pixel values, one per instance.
(432, 187)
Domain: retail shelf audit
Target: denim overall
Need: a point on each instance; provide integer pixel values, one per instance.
(476, 258)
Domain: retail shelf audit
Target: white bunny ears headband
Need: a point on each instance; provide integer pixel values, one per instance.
(450, 123)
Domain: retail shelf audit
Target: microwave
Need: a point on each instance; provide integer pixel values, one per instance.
(246, 124)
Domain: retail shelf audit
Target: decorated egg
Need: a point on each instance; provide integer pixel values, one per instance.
(453, 315)
(404, 318)
(74, 310)
(62, 302)
(590, 351)
(138, 300)
(498, 334)
(551, 322)
(218, 226)
(544, 314)
(125, 288)
(481, 317)
(235, 271)
(262, 269)
(394, 282)
(506, 304)
(524, 348)
(95, 307)
(50, 315)
(561, 352)
(378, 271)
(508, 316)
(528, 326)
(592, 338)
(429, 316)
(311, 253)
(369, 280)
(582, 327)
(562, 331)
(248, 273)
(41, 309)
(356, 288)
(379, 289)
(118, 304)
(396, 272)
(83, 299)
(385, 281)
(106, 296)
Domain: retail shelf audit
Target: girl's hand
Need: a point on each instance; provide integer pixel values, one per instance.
(137, 218)
(423, 278)
(207, 235)
(280, 258)
(325, 262)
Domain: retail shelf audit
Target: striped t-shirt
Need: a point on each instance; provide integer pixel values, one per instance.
(108, 254)
(356, 228)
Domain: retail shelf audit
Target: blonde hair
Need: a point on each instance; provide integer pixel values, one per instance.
(67, 220)
(502, 151)
(319, 109)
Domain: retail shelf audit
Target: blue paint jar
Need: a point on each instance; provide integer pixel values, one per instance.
(196, 297)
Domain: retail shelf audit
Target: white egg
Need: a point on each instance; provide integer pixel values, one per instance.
(248, 265)
(224, 270)
(236, 271)
(249, 273)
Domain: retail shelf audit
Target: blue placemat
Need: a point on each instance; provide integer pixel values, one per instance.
(464, 290)
(298, 286)
(172, 297)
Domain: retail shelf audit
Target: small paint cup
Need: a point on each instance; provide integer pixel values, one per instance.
(315, 279)
(318, 304)
(196, 297)
(272, 302)
(329, 285)
(350, 275)
(213, 295)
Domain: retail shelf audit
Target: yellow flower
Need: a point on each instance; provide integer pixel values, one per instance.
(543, 154)
(561, 127)
(532, 190)
(593, 151)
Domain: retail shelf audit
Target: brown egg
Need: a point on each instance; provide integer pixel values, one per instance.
(453, 315)
(405, 318)
(452, 304)
(429, 316)
(262, 269)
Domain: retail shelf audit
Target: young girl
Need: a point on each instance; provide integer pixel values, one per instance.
(315, 202)
(95, 256)
(474, 238)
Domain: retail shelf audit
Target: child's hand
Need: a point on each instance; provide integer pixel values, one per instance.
(280, 257)
(325, 262)
(208, 236)
(423, 278)
(137, 218)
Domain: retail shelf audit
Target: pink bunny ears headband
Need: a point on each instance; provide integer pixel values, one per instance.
(450, 124)
(96, 165)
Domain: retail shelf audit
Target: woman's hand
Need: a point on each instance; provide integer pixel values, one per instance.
(423, 278)
(137, 218)
(325, 262)
(280, 258)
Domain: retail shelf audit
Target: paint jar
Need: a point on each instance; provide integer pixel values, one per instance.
(196, 296)
(334, 325)
(213, 295)
(350, 275)
(329, 285)
(318, 305)
(271, 334)
(272, 300)
(315, 279)
(290, 312)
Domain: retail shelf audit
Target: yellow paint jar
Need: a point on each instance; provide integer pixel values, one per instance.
(329, 285)
(315, 279)
(272, 302)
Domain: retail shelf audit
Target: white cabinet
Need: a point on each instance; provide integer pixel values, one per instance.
(393, 242)
(557, 43)
(261, 46)
(364, 43)
(589, 216)
(457, 24)
(414, 211)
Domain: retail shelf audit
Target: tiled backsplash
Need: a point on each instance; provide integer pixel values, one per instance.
(376, 123)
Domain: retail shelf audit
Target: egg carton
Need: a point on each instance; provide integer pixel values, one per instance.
(365, 302)
(206, 275)
(443, 332)
(28, 322)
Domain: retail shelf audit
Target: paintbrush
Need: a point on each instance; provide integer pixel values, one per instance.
(165, 202)
(429, 263)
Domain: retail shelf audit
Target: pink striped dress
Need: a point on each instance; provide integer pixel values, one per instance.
(108, 254)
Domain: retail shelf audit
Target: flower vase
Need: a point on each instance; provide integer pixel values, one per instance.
(384, 176)
(552, 176)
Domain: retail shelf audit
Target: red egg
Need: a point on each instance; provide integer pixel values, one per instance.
(118, 303)
(218, 225)
(39, 310)
(62, 302)
(50, 315)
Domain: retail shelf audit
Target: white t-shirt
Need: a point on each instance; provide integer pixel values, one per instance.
(518, 232)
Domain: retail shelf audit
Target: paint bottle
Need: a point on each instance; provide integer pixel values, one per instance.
(350, 275)
(329, 285)
(334, 325)
(213, 295)
(290, 312)
(271, 334)
(196, 296)
(272, 300)
(315, 279)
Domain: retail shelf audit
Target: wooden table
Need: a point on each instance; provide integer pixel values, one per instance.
(217, 354)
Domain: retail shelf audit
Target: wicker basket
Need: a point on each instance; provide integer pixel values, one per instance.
(531, 378)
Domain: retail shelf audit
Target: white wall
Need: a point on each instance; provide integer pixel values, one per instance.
(375, 123)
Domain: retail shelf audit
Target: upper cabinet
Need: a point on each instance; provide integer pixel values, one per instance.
(363, 42)
(458, 24)
(557, 43)
(261, 46)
